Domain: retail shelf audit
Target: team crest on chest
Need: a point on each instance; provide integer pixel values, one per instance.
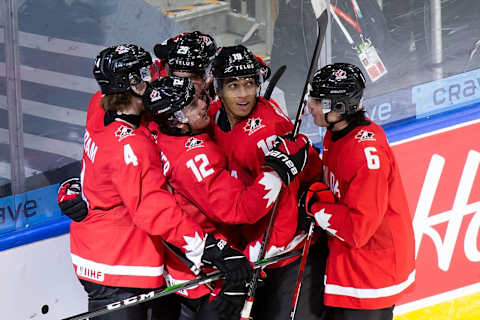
(253, 125)
(364, 135)
(193, 143)
(123, 132)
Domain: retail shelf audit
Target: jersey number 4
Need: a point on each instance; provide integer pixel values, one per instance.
(129, 156)
(199, 165)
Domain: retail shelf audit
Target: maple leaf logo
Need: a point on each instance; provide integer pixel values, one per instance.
(364, 135)
(273, 185)
(194, 248)
(253, 125)
(193, 143)
(123, 131)
(322, 219)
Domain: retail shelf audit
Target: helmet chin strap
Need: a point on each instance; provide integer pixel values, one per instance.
(331, 124)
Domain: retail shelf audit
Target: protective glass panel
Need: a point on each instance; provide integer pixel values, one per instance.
(420, 58)
(5, 169)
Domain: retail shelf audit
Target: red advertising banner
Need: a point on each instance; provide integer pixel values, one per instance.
(440, 172)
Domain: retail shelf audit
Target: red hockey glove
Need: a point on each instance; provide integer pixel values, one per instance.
(288, 157)
(317, 192)
(233, 264)
(70, 201)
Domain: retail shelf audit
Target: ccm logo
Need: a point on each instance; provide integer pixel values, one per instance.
(130, 300)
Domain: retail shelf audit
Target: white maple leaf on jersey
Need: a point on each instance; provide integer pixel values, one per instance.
(254, 252)
(194, 248)
(273, 251)
(272, 184)
(322, 219)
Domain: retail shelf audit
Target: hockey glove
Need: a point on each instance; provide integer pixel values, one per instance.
(70, 200)
(288, 157)
(233, 264)
(230, 301)
(317, 192)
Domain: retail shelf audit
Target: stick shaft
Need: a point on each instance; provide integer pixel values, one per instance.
(322, 22)
(273, 82)
(303, 263)
(155, 294)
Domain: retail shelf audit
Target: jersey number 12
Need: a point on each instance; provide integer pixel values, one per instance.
(201, 171)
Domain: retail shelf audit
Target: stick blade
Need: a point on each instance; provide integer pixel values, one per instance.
(319, 7)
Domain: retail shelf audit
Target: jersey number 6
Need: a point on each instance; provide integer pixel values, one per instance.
(373, 161)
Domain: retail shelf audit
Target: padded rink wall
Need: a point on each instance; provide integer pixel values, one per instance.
(439, 158)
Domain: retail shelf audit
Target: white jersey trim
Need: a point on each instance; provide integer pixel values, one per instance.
(117, 269)
(369, 293)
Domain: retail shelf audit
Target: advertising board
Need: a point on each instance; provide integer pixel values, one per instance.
(440, 172)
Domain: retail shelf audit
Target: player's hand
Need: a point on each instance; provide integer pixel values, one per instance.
(317, 193)
(70, 200)
(229, 302)
(233, 264)
(289, 156)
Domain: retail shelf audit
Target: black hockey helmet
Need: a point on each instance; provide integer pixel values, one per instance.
(119, 67)
(190, 52)
(339, 87)
(237, 62)
(167, 97)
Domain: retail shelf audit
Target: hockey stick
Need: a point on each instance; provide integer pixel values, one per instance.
(273, 82)
(321, 14)
(252, 286)
(322, 20)
(155, 294)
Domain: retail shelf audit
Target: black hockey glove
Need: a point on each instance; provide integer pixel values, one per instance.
(304, 219)
(70, 200)
(232, 263)
(289, 156)
(230, 301)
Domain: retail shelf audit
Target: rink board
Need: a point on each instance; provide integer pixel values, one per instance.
(440, 173)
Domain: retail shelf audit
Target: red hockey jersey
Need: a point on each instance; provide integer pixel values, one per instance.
(195, 169)
(245, 146)
(371, 259)
(124, 187)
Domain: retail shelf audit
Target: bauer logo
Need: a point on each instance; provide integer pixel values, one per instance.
(443, 190)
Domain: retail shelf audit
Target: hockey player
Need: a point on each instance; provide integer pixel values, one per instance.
(246, 126)
(371, 258)
(196, 170)
(185, 55)
(115, 249)
(189, 55)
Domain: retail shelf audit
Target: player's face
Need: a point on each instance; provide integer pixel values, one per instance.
(197, 79)
(239, 97)
(316, 109)
(319, 109)
(196, 113)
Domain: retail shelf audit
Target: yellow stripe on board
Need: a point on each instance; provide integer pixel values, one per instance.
(464, 308)
(170, 12)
